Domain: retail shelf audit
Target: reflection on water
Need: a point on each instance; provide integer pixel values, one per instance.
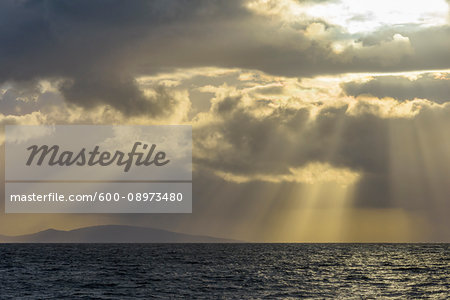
(125, 271)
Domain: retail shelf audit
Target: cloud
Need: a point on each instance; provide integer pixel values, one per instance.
(239, 140)
(312, 173)
(428, 86)
(290, 141)
(21, 98)
(93, 48)
(122, 95)
(261, 132)
(100, 52)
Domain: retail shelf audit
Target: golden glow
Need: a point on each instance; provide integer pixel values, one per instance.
(321, 215)
(356, 15)
(312, 173)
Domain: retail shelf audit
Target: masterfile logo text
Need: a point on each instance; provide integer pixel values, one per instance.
(54, 156)
(133, 169)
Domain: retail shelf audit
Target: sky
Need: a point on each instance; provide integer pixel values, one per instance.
(313, 120)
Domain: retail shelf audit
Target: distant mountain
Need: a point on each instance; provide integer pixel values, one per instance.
(111, 234)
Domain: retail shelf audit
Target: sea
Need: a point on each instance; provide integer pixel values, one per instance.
(225, 271)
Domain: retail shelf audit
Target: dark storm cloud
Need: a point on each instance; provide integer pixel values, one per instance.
(122, 94)
(405, 149)
(288, 138)
(426, 86)
(94, 45)
(101, 46)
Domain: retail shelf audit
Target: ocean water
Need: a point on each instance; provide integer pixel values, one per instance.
(225, 271)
